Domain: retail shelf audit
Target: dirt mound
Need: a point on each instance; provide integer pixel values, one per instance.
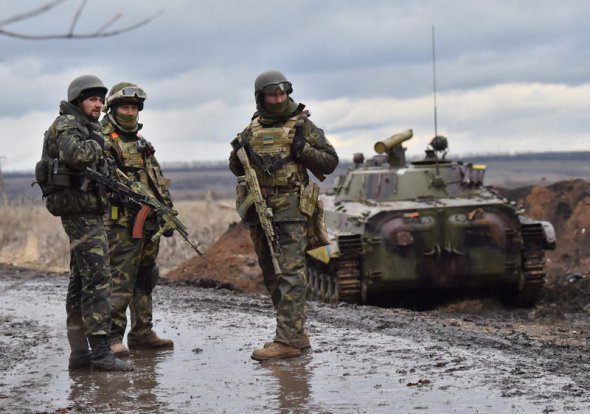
(566, 205)
(229, 263)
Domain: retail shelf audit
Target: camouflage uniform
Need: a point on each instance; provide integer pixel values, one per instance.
(70, 146)
(267, 142)
(72, 140)
(133, 260)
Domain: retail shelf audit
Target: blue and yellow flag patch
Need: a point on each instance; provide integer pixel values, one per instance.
(267, 140)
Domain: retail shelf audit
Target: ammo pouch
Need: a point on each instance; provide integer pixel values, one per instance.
(308, 199)
(52, 176)
(317, 234)
(64, 190)
(313, 208)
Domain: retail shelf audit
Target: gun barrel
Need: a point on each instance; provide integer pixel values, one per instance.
(393, 141)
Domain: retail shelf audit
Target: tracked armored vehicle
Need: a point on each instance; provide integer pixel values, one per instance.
(426, 225)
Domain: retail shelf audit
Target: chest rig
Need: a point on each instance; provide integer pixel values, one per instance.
(130, 153)
(133, 158)
(269, 149)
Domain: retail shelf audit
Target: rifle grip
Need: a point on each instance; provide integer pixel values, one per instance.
(140, 219)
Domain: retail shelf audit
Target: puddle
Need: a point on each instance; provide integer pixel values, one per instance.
(210, 370)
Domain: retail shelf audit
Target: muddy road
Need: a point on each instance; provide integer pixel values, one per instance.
(467, 357)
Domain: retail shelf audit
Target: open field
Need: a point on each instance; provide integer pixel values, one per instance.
(199, 181)
(31, 237)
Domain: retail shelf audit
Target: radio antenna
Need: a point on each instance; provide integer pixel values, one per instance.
(434, 83)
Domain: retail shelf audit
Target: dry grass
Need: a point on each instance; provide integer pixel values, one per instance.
(31, 237)
(205, 220)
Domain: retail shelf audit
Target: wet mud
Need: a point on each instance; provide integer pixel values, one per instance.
(463, 357)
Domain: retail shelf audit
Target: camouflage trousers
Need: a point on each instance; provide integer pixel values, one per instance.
(88, 303)
(287, 290)
(134, 272)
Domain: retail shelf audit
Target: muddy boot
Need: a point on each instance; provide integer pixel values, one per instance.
(276, 350)
(102, 358)
(120, 350)
(150, 340)
(80, 355)
(302, 343)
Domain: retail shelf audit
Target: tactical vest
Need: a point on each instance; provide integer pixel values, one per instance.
(133, 160)
(272, 146)
(51, 174)
(63, 186)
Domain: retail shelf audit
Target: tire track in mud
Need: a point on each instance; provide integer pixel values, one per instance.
(364, 359)
(493, 350)
(487, 346)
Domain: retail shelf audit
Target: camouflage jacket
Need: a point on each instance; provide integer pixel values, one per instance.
(72, 139)
(134, 155)
(317, 156)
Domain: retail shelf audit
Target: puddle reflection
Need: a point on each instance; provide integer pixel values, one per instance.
(294, 393)
(120, 391)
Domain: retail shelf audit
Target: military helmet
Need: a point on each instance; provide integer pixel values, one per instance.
(126, 92)
(269, 82)
(86, 86)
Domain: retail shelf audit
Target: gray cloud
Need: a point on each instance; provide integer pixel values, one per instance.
(202, 56)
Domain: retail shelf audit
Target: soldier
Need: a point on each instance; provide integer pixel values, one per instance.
(133, 256)
(71, 144)
(282, 144)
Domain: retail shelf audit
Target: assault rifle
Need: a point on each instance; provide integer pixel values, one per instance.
(138, 194)
(264, 212)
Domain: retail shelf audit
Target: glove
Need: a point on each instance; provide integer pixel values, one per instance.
(168, 233)
(297, 145)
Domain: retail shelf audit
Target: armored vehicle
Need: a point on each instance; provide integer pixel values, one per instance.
(431, 224)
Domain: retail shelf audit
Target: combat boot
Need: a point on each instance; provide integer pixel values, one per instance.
(276, 350)
(149, 341)
(80, 355)
(79, 361)
(302, 343)
(102, 357)
(120, 350)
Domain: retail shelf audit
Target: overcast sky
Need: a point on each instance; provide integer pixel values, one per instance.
(512, 76)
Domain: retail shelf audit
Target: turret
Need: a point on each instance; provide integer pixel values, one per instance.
(437, 149)
(393, 147)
